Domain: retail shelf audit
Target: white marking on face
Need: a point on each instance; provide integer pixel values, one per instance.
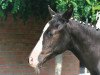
(33, 58)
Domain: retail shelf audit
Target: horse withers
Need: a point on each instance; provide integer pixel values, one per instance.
(62, 33)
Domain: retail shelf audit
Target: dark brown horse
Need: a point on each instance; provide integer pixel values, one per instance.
(62, 33)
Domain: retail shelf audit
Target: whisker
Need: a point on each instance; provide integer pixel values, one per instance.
(37, 71)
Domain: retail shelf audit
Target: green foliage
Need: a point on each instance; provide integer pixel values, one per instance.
(25, 8)
(8, 6)
(83, 9)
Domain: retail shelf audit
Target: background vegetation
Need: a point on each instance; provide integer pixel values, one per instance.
(25, 8)
(83, 9)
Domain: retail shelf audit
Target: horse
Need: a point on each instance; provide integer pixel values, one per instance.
(62, 33)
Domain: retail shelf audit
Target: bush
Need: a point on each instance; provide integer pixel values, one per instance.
(25, 8)
(83, 9)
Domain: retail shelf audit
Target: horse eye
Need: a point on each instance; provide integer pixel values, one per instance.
(56, 25)
(50, 34)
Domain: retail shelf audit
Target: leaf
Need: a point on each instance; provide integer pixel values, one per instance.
(97, 7)
(4, 5)
(1, 2)
(93, 17)
(16, 6)
(2, 14)
(88, 1)
(75, 5)
(86, 11)
(10, 0)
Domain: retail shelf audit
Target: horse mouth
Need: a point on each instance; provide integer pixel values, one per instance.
(37, 67)
(37, 70)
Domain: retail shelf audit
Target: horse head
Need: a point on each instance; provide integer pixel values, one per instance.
(54, 39)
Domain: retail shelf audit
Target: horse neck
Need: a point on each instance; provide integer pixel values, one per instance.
(81, 35)
(83, 40)
(81, 32)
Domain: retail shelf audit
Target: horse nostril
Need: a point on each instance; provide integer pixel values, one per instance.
(30, 60)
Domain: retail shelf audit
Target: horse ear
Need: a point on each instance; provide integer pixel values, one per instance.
(52, 13)
(67, 15)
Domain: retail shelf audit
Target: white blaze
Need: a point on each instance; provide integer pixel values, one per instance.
(33, 58)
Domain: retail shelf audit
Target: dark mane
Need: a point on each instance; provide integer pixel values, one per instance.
(88, 29)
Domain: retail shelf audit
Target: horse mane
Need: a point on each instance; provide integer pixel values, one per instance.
(89, 29)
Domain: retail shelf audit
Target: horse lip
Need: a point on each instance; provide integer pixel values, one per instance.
(44, 60)
(37, 70)
(39, 65)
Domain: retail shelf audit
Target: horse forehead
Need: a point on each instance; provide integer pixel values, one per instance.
(46, 27)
